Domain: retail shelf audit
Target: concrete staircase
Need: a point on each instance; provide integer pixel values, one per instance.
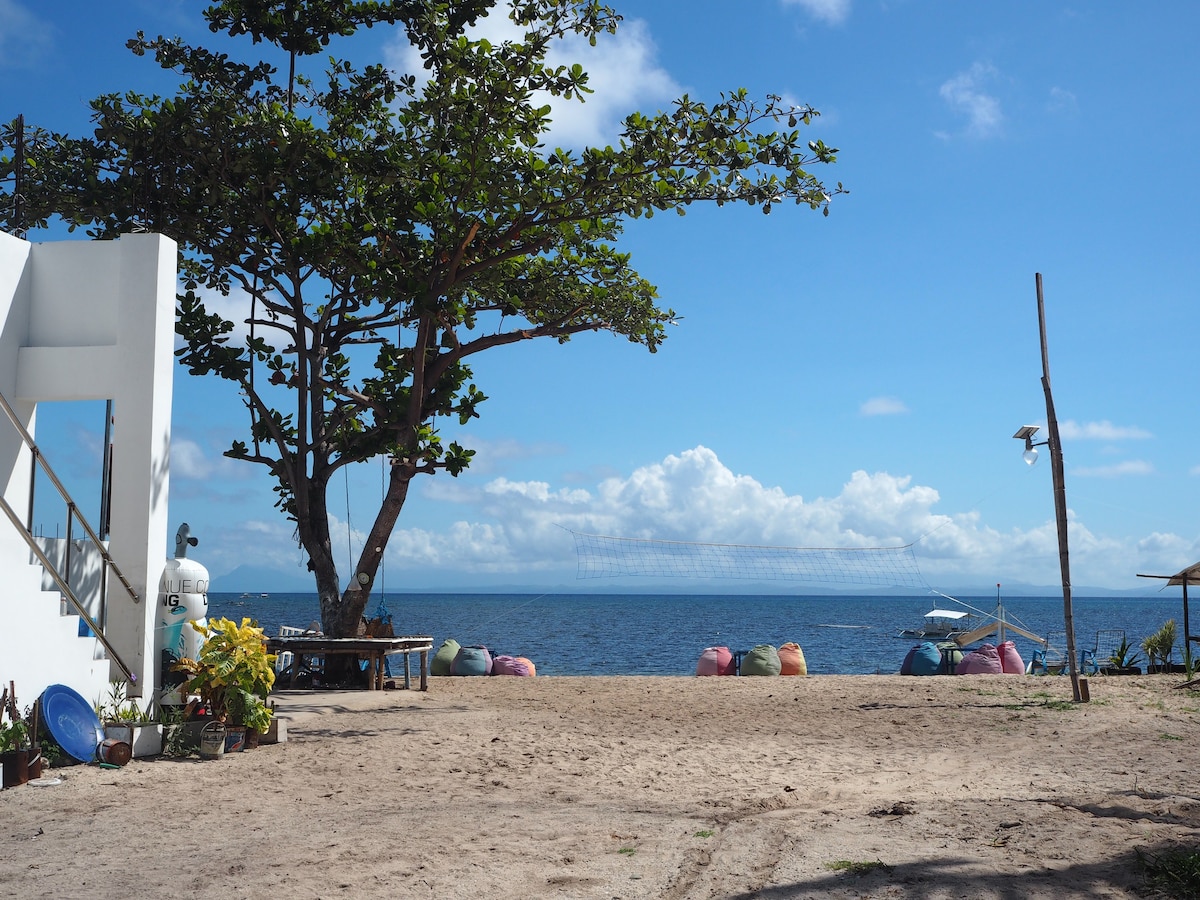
(39, 645)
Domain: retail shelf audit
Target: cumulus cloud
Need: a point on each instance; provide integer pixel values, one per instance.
(1101, 431)
(882, 406)
(965, 95)
(23, 36)
(832, 12)
(622, 73)
(521, 528)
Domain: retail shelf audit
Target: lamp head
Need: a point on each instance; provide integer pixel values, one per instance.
(1025, 433)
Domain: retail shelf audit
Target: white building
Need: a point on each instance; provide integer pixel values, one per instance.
(85, 320)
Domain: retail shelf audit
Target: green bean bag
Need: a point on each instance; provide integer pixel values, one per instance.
(762, 660)
(440, 664)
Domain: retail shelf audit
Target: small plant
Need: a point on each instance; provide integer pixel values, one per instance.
(1161, 645)
(706, 833)
(628, 851)
(14, 735)
(1175, 873)
(1125, 656)
(14, 729)
(119, 708)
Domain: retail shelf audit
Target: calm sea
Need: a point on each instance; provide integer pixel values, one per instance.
(626, 634)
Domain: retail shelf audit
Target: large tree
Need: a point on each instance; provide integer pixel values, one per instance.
(386, 228)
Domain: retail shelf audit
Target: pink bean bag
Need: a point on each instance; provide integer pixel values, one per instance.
(715, 661)
(1010, 659)
(984, 661)
(512, 665)
(791, 660)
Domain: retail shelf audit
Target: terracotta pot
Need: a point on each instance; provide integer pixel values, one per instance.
(252, 737)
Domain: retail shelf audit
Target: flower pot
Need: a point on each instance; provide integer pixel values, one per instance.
(145, 739)
(252, 738)
(1121, 670)
(16, 767)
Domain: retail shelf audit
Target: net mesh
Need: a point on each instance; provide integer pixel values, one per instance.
(604, 556)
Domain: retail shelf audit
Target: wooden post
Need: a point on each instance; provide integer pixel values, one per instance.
(1060, 501)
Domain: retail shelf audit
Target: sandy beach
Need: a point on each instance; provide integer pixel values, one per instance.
(631, 787)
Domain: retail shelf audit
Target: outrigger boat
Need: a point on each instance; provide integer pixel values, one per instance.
(942, 625)
(966, 628)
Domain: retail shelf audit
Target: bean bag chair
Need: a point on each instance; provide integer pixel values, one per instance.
(444, 658)
(927, 660)
(512, 665)
(762, 660)
(1010, 659)
(472, 661)
(951, 656)
(984, 661)
(715, 661)
(906, 666)
(791, 660)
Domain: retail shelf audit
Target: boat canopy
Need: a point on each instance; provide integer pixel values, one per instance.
(946, 614)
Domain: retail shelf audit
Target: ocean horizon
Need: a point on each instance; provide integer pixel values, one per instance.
(664, 634)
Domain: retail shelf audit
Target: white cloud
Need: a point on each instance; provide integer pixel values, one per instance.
(832, 12)
(622, 74)
(1117, 470)
(23, 36)
(1100, 431)
(964, 94)
(520, 528)
(1062, 101)
(882, 406)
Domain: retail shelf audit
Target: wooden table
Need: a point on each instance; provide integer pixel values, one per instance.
(373, 649)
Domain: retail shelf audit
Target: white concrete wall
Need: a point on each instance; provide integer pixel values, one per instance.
(84, 321)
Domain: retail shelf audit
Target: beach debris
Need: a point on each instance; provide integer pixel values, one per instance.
(899, 808)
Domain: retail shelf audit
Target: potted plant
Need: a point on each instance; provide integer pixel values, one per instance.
(124, 720)
(232, 674)
(1123, 661)
(1159, 648)
(14, 747)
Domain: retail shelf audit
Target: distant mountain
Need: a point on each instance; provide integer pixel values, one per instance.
(257, 580)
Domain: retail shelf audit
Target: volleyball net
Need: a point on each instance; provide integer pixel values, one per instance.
(605, 556)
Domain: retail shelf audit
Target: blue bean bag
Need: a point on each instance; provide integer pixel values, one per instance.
(472, 661)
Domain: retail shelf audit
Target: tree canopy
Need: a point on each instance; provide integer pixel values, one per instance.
(385, 227)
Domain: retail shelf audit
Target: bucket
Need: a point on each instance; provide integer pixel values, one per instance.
(212, 741)
(114, 752)
(34, 769)
(235, 739)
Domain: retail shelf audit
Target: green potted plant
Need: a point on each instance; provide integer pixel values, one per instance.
(232, 674)
(14, 747)
(125, 720)
(1123, 661)
(1159, 648)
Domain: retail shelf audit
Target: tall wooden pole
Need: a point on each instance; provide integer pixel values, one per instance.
(1060, 501)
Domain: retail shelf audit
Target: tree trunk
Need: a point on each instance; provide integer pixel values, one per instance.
(358, 592)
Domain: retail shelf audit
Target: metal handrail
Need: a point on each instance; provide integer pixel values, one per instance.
(67, 592)
(26, 530)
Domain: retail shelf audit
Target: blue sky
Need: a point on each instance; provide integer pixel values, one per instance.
(845, 381)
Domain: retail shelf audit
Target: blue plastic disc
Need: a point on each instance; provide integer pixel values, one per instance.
(72, 722)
